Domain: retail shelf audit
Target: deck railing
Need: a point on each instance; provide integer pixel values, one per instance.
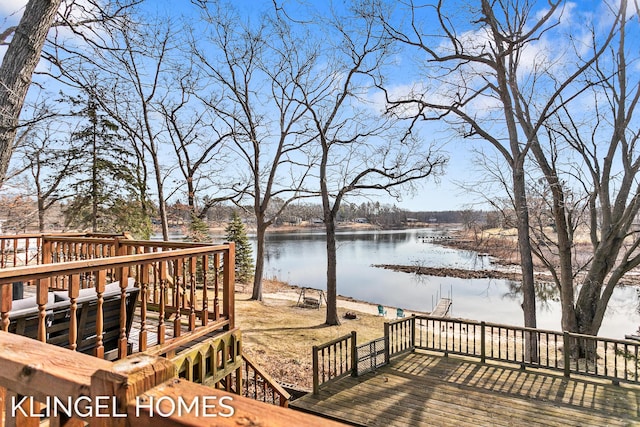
(20, 250)
(334, 360)
(39, 381)
(569, 353)
(205, 360)
(191, 298)
(256, 384)
(399, 336)
(28, 249)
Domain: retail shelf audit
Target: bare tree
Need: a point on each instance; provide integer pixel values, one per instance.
(17, 68)
(589, 164)
(25, 48)
(487, 83)
(361, 151)
(258, 70)
(49, 162)
(198, 143)
(133, 64)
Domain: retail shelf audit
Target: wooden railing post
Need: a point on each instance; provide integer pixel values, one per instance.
(74, 292)
(413, 332)
(126, 381)
(316, 369)
(483, 352)
(228, 284)
(144, 290)
(42, 290)
(123, 272)
(6, 295)
(46, 251)
(566, 342)
(354, 355)
(204, 317)
(163, 283)
(387, 343)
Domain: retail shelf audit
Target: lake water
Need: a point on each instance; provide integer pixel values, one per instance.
(300, 259)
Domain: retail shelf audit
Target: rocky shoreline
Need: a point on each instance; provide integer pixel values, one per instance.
(451, 272)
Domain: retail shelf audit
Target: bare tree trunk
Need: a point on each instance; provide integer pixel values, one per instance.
(332, 276)
(94, 177)
(526, 261)
(41, 210)
(261, 229)
(162, 206)
(564, 242)
(16, 71)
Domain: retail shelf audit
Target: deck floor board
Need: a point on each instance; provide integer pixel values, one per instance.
(428, 389)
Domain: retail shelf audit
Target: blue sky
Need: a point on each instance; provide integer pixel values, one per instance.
(442, 195)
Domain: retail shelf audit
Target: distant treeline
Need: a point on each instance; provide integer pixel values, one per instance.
(366, 212)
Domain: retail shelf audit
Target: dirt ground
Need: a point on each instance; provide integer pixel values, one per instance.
(279, 335)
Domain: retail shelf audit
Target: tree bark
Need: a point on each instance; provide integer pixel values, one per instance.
(332, 276)
(261, 229)
(17, 68)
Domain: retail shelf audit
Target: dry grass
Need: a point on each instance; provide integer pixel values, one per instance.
(279, 336)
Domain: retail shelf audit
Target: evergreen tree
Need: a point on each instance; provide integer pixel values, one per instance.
(198, 230)
(106, 192)
(244, 254)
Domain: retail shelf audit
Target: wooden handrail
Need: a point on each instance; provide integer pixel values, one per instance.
(72, 267)
(270, 384)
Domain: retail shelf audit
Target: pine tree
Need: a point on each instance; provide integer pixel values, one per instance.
(198, 230)
(105, 192)
(244, 254)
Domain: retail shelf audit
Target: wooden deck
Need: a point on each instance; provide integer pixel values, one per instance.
(442, 309)
(428, 389)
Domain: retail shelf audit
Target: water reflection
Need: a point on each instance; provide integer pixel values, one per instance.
(300, 259)
(546, 293)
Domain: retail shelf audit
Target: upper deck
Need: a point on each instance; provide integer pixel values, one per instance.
(108, 317)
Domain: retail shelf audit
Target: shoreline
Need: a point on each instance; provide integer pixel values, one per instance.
(282, 291)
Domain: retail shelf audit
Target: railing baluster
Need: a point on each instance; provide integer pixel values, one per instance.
(100, 286)
(42, 290)
(216, 275)
(161, 309)
(74, 291)
(144, 289)
(177, 276)
(5, 304)
(124, 282)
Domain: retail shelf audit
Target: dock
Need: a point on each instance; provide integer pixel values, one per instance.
(442, 309)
